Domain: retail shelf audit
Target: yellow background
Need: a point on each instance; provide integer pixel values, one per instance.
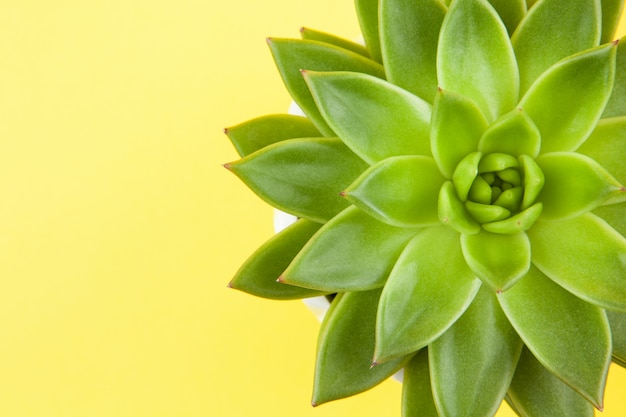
(119, 229)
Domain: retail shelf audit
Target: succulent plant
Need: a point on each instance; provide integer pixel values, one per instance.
(458, 186)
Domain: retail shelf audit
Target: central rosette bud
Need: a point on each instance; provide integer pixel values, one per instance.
(495, 191)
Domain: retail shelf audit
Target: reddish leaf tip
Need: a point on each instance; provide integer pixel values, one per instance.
(226, 130)
(313, 404)
(374, 363)
(343, 194)
(615, 42)
(281, 279)
(302, 29)
(229, 285)
(228, 166)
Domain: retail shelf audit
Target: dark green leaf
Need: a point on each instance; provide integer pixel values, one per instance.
(617, 103)
(618, 332)
(614, 215)
(417, 396)
(569, 336)
(367, 12)
(611, 12)
(607, 146)
(302, 177)
(316, 35)
(345, 349)
(511, 12)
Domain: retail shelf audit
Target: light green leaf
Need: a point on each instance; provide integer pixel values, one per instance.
(401, 191)
(428, 289)
(258, 275)
(457, 125)
(302, 177)
(316, 35)
(618, 333)
(255, 134)
(513, 134)
(567, 100)
(409, 32)
(499, 260)
(553, 30)
(535, 392)
(617, 103)
(452, 212)
(614, 215)
(473, 362)
(345, 348)
(374, 118)
(367, 12)
(533, 180)
(611, 12)
(517, 223)
(465, 173)
(352, 252)
(293, 55)
(511, 12)
(569, 336)
(585, 256)
(574, 184)
(607, 146)
(475, 57)
(417, 396)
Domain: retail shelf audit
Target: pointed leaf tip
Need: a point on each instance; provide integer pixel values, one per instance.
(227, 166)
(281, 279)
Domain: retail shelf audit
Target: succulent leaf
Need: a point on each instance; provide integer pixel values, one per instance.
(517, 223)
(345, 348)
(367, 12)
(307, 188)
(476, 59)
(258, 275)
(499, 260)
(511, 12)
(611, 12)
(552, 31)
(607, 146)
(618, 332)
(401, 191)
(614, 215)
(409, 32)
(374, 118)
(570, 337)
(417, 395)
(578, 88)
(349, 267)
(428, 289)
(316, 35)
(293, 55)
(513, 134)
(536, 392)
(617, 103)
(453, 213)
(473, 362)
(255, 134)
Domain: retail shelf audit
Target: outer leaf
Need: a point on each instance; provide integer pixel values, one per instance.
(292, 56)
(535, 392)
(585, 256)
(611, 12)
(374, 118)
(316, 35)
(473, 362)
(367, 12)
(409, 32)
(457, 125)
(400, 191)
(568, 336)
(574, 184)
(511, 12)
(345, 349)
(618, 332)
(617, 103)
(514, 133)
(614, 215)
(476, 59)
(301, 176)
(607, 146)
(255, 134)
(567, 100)
(499, 260)
(259, 273)
(352, 252)
(417, 396)
(428, 289)
(552, 31)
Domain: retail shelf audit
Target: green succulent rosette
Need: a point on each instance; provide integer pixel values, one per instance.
(458, 184)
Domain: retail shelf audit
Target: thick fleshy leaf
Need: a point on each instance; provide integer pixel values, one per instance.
(553, 30)
(614, 215)
(352, 252)
(569, 336)
(453, 213)
(417, 395)
(585, 256)
(259, 273)
(611, 12)
(574, 184)
(567, 100)
(514, 134)
(517, 223)
(511, 12)
(607, 146)
(617, 103)
(367, 12)
(409, 32)
(293, 55)
(618, 332)
(473, 362)
(428, 289)
(499, 260)
(457, 125)
(255, 134)
(374, 118)
(316, 35)
(302, 177)
(345, 348)
(475, 57)
(536, 392)
(400, 191)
